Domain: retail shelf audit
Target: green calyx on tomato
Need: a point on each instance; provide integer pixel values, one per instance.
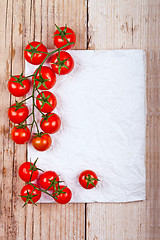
(21, 126)
(28, 198)
(46, 117)
(62, 195)
(60, 63)
(18, 106)
(19, 79)
(41, 81)
(58, 191)
(62, 33)
(64, 36)
(33, 50)
(33, 168)
(90, 180)
(44, 99)
(54, 183)
(39, 134)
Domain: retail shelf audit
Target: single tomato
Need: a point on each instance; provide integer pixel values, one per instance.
(18, 112)
(31, 55)
(45, 79)
(48, 180)
(88, 179)
(62, 194)
(18, 85)
(20, 134)
(62, 63)
(41, 141)
(60, 36)
(46, 101)
(50, 123)
(30, 194)
(26, 170)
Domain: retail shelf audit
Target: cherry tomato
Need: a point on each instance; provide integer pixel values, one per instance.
(62, 63)
(29, 194)
(41, 142)
(18, 86)
(46, 101)
(60, 40)
(20, 135)
(46, 78)
(17, 113)
(31, 56)
(48, 180)
(63, 194)
(50, 123)
(26, 170)
(88, 179)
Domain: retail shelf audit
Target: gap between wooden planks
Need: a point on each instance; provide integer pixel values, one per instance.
(99, 24)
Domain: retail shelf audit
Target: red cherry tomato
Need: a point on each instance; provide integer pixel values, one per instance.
(48, 180)
(88, 179)
(18, 113)
(35, 58)
(17, 86)
(20, 135)
(29, 194)
(50, 123)
(26, 170)
(46, 101)
(41, 142)
(63, 195)
(62, 63)
(46, 78)
(60, 40)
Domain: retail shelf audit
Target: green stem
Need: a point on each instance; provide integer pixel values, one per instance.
(56, 50)
(39, 110)
(26, 99)
(27, 117)
(29, 76)
(36, 126)
(43, 52)
(41, 190)
(36, 89)
(34, 121)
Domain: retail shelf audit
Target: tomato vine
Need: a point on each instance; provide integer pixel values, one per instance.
(35, 88)
(42, 102)
(28, 195)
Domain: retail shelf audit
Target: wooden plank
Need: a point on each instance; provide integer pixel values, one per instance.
(28, 34)
(130, 24)
(18, 217)
(123, 24)
(69, 222)
(74, 14)
(3, 27)
(39, 25)
(24, 21)
(6, 192)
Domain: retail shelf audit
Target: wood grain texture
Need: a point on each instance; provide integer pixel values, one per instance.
(99, 24)
(24, 21)
(127, 25)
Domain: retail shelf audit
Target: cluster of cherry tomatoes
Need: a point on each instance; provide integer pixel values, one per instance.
(44, 78)
(49, 183)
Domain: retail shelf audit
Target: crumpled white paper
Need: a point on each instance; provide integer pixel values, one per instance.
(102, 107)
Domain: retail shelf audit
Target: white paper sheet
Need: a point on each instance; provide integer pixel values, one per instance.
(102, 107)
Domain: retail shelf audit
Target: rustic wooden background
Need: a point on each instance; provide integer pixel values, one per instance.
(99, 24)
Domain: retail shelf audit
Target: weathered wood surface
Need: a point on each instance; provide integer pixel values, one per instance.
(99, 24)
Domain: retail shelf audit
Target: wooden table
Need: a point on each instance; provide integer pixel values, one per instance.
(99, 24)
